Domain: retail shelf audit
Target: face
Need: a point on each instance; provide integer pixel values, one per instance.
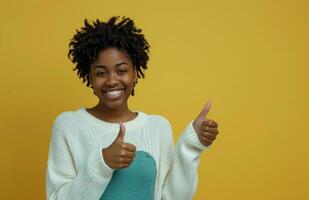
(112, 76)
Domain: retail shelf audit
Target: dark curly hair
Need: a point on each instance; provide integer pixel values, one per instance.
(86, 44)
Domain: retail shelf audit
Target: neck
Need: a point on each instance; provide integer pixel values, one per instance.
(113, 115)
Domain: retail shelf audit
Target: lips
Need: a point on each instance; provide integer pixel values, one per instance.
(113, 94)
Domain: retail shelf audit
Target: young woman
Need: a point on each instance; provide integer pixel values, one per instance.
(108, 151)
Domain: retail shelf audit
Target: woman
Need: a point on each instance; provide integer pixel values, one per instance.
(108, 151)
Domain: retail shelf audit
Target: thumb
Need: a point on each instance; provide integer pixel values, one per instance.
(121, 133)
(205, 111)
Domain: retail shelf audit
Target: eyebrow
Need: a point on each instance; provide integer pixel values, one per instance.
(103, 66)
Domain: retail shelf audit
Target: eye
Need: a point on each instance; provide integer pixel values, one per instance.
(101, 73)
(122, 71)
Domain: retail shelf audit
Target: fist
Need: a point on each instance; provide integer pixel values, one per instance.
(206, 129)
(119, 154)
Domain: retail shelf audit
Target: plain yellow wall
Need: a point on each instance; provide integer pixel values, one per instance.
(249, 57)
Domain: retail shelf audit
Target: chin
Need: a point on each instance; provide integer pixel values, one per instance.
(112, 105)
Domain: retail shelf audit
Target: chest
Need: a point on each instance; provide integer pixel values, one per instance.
(89, 139)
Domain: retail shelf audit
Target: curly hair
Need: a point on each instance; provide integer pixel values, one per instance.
(86, 44)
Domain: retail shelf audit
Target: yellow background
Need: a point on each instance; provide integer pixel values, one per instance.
(250, 58)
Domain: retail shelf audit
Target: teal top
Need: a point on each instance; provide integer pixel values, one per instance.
(134, 182)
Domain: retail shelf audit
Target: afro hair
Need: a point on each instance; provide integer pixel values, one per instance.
(86, 44)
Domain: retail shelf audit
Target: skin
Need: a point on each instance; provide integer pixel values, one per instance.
(206, 129)
(119, 154)
(113, 69)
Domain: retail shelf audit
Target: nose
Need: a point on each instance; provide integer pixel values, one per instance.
(112, 80)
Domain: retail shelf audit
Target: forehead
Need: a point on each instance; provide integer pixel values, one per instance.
(111, 57)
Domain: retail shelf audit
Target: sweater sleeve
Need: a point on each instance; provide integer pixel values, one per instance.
(181, 180)
(62, 179)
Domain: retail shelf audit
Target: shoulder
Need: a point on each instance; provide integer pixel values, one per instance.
(162, 127)
(159, 120)
(66, 120)
(66, 116)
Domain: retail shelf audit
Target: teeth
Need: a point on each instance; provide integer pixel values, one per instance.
(114, 93)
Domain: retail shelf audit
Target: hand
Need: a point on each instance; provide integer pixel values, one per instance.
(119, 154)
(206, 129)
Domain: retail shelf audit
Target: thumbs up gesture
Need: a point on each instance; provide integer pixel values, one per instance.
(206, 129)
(119, 154)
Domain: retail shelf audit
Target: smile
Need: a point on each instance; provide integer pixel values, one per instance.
(113, 94)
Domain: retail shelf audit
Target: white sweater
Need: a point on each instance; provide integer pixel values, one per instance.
(76, 169)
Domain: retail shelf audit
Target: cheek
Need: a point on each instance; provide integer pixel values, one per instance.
(130, 79)
(130, 83)
(96, 90)
(97, 84)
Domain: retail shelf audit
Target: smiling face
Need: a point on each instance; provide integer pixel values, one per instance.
(113, 76)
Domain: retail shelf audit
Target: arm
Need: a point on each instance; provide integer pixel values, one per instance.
(62, 180)
(181, 180)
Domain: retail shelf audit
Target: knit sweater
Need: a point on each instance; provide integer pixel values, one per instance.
(76, 169)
